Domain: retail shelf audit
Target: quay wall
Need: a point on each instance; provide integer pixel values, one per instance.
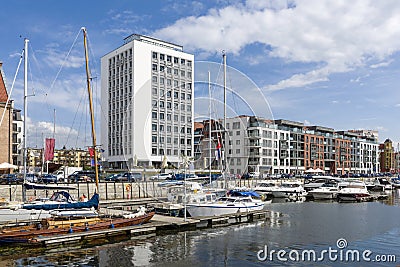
(119, 190)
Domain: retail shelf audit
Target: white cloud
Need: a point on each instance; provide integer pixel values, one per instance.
(338, 35)
(381, 64)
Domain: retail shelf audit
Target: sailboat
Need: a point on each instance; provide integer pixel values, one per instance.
(230, 204)
(43, 208)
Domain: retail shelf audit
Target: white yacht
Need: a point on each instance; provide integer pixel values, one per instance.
(353, 191)
(265, 188)
(326, 191)
(289, 189)
(225, 205)
(318, 181)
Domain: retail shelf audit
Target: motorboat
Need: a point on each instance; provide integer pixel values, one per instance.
(265, 188)
(185, 193)
(395, 182)
(326, 191)
(225, 205)
(289, 189)
(379, 184)
(353, 191)
(317, 181)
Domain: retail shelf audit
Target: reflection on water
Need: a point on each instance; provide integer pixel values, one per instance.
(307, 225)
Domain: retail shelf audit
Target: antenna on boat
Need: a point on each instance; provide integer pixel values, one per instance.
(88, 78)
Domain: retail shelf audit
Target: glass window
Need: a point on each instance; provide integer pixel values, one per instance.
(154, 66)
(154, 55)
(162, 57)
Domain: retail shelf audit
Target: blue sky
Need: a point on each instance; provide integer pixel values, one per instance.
(328, 63)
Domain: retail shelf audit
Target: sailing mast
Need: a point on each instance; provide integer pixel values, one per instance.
(209, 127)
(224, 130)
(88, 78)
(25, 113)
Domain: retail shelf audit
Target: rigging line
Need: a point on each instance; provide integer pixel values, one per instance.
(73, 121)
(12, 86)
(41, 75)
(65, 60)
(236, 108)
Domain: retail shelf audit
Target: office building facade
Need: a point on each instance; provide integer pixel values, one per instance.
(147, 94)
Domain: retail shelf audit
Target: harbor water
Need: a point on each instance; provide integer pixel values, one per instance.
(306, 234)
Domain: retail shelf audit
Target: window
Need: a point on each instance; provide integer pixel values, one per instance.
(161, 80)
(162, 68)
(183, 96)
(237, 142)
(154, 79)
(182, 61)
(169, 70)
(162, 116)
(169, 105)
(176, 72)
(238, 161)
(154, 115)
(162, 57)
(169, 82)
(155, 67)
(154, 151)
(154, 91)
(189, 63)
(154, 139)
(237, 132)
(236, 125)
(169, 58)
(154, 55)
(161, 104)
(189, 96)
(154, 127)
(176, 60)
(182, 73)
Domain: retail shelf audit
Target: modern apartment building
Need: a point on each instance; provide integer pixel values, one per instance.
(275, 147)
(17, 137)
(147, 96)
(387, 156)
(7, 122)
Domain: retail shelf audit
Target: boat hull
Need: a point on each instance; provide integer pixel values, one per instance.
(219, 209)
(30, 235)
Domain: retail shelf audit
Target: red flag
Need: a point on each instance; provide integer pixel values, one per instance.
(49, 149)
(218, 152)
(91, 151)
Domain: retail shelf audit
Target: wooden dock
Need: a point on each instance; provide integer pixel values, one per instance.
(158, 225)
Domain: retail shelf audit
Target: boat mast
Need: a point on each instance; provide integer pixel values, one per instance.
(91, 107)
(25, 114)
(209, 127)
(224, 130)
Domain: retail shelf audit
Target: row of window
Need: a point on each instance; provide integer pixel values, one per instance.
(168, 82)
(162, 128)
(170, 152)
(169, 94)
(168, 58)
(161, 140)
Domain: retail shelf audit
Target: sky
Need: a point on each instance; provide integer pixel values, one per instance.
(328, 63)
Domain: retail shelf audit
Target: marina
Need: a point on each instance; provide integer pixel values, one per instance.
(170, 240)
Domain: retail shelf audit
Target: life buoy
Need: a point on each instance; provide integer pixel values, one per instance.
(128, 187)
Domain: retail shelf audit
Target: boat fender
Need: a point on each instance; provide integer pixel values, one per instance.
(128, 187)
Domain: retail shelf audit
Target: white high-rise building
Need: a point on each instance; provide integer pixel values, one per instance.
(147, 103)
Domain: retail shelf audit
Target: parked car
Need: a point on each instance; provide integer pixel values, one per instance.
(128, 177)
(48, 178)
(82, 176)
(31, 177)
(161, 176)
(112, 177)
(10, 178)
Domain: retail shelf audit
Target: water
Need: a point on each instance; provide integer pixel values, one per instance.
(315, 226)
